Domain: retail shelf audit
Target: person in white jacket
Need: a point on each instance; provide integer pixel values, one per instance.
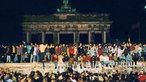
(120, 51)
(35, 52)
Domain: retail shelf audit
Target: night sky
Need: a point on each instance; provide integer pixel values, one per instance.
(128, 16)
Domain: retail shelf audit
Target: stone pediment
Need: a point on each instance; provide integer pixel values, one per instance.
(65, 17)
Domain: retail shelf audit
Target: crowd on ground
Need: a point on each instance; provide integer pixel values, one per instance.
(73, 76)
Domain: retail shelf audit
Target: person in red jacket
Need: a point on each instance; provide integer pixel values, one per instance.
(142, 77)
(84, 60)
(111, 59)
(58, 50)
(132, 48)
(100, 51)
(71, 50)
(88, 57)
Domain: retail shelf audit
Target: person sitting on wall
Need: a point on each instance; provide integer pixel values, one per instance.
(122, 59)
(71, 60)
(111, 60)
(80, 61)
(65, 59)
(129, 59)
(135, 58)
(115, 58)
(105, 59)
(84, 60)
(60, 59)
(55, 60)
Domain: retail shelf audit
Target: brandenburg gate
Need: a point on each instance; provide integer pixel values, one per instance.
(66, 25)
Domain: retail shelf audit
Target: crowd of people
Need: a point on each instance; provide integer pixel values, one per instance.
(80, 53)
(73, 76)
(106, 54)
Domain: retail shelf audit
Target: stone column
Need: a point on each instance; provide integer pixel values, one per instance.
(43, 37)
(74, 37)
(104, 37)
(58, 37)
(27, 37)
(89, 37)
